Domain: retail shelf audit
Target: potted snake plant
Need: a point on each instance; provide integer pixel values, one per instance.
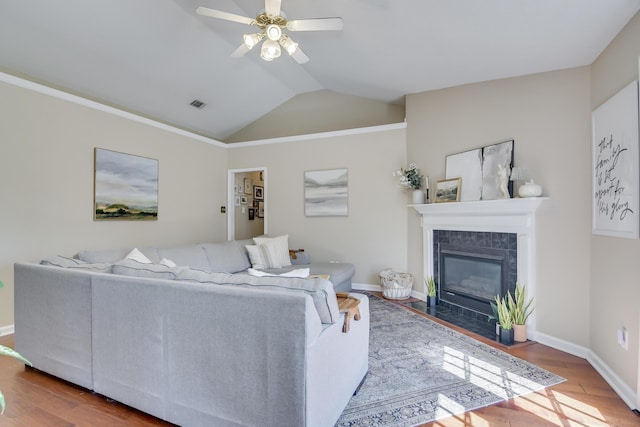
(520, 310)
(431, 292)
(504, 318)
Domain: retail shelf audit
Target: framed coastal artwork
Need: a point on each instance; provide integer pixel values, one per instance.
(615, 157)
(326, 192)
(125, 187)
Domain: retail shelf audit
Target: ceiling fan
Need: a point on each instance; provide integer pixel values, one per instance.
(272, 23)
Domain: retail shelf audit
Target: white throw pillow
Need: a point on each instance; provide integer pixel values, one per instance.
(264, 255)
(136, 255)
(278, 250)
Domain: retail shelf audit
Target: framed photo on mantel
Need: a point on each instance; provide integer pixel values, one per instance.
(448, 190)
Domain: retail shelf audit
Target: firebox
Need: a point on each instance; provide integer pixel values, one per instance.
(471, 277)
(472, 267)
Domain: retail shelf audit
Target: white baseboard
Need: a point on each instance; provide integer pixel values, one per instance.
(626, 393)
(6, 330)
(366, 287)
(562, 345)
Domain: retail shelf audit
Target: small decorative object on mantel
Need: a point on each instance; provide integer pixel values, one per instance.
(503, 180)
(530, 189)
(448, 190)
(412, 180)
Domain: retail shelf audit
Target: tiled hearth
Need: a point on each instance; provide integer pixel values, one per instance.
(467, 319)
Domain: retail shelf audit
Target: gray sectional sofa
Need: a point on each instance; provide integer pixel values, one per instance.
(194, 344)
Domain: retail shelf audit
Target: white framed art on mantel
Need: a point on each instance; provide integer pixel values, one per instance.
(615, 156)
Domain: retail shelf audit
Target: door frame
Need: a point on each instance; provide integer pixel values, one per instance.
(231, 222)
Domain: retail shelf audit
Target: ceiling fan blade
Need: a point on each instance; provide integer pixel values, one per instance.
(300, 56)
(318, 24)
(213, 13)
(272, 7)
(240, 51)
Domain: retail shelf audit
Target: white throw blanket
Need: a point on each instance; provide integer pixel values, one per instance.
(300, 272)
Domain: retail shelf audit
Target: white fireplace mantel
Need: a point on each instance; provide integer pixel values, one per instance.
(498, 216)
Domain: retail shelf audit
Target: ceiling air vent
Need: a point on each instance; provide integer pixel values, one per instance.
(198, 104)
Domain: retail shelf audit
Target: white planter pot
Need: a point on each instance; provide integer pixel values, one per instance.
(418, 197)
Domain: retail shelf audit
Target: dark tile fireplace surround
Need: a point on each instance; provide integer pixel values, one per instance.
(468, 312)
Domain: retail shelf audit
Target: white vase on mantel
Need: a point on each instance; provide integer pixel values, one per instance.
(530, 189)
(417, 197)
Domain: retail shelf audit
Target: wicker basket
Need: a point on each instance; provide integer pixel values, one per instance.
(396, 285)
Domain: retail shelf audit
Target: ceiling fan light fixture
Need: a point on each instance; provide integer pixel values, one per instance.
(289, 45)
(250, 40)
(274, 32)
(270, 50)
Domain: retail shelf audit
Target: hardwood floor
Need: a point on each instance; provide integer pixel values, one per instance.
(585, 399)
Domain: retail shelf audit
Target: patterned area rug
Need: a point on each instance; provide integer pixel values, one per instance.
(421, 371)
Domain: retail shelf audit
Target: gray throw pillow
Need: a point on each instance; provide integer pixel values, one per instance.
(226, 257)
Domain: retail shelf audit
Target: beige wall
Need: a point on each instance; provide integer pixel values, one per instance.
(548, 116)
(320, 111)
(373, 236)
(615, 266)
(46, 183)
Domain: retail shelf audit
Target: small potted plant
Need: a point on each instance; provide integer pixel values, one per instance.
(520, 311)
(412, 179)
(494, 316)
(506, 323)
(431, 292)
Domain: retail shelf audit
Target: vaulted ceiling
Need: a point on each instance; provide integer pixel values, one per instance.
(153, 57)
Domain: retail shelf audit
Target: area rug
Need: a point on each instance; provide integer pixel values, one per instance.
(421, 371)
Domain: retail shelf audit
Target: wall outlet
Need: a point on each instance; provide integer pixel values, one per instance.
(623, 338)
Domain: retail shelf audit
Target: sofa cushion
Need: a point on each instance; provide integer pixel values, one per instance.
(321, 291)
(130, 267)
(190, 255)
(226, 257)
(109, 255)
(64, 262)
(278, 249)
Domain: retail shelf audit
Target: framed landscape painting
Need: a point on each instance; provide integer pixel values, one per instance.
(125, 187)
(326, 193)
(448, 190)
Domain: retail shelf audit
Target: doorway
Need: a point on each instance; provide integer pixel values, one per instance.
(247, 203)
